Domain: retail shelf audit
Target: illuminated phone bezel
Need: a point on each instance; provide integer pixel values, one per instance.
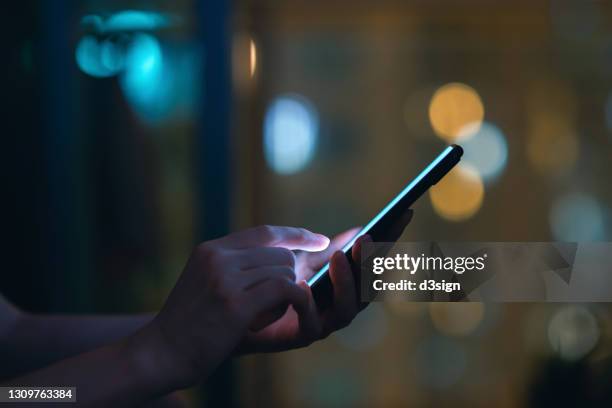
(385, 210)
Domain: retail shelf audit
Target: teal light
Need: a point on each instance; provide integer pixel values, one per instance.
(89, 58)
(126, 20)
(111, 56)
(158, 83)
(485, 148)
(129, 20)
(143, 80)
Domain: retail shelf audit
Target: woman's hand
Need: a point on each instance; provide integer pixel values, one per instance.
(239, 282)
(287, 332)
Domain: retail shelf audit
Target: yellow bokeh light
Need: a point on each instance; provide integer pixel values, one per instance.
(456, 319)
(459, 194)
(452, 107)
(253, 57)
(552, 146)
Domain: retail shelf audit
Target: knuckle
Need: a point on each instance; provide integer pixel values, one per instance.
(289, 272)
(279, 285)
(304, 233)
(266, 232)
(287, 256)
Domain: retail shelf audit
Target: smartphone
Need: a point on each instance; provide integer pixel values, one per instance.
(320, 282)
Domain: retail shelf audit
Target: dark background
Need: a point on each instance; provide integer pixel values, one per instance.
(160, 133)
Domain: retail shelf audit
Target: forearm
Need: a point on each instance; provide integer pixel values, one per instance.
(36, 341)
(128, 372)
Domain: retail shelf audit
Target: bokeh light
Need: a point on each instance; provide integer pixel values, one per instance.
(458, 195)
(88, 56)
(456, 319)
(136, 20)
(485, 148)
(552, 146)
(290, 134)
(144, 81)
(244, 62)
(452, 107)
(366, 331)
(252, 57)
(573, 332)
(111, 56)
(126, 20)
(577, 217)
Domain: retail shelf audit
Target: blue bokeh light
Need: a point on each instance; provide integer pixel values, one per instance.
(136, 20)
(89, 58)
(126, 20)
(577, 217)
(485, 148)
(111, 56)
(143, 80)
(290, 134)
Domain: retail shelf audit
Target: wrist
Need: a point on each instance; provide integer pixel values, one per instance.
(152, 360)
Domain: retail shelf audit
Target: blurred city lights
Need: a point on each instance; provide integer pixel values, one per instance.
(485, 149)
(290, 134)
(253, 57)
(366, 331)
(88, 55)
(452, 107)
(552, 146)
(458, 195)
(577, 217)
(573, 332)
(111, 56)
(145, 83)
(108, 42)
(244, 61)
(441, 362)
(456, 319)
(126, 20)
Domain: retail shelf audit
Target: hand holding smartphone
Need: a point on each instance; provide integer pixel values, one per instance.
(320, 282)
